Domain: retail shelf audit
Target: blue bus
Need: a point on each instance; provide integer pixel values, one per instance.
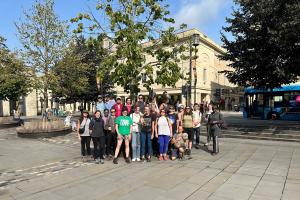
(284, 105)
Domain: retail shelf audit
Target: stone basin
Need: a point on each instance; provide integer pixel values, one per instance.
(6, 122)
(42, 128)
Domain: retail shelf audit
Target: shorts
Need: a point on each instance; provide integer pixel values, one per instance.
(190, 133)
(124, 137)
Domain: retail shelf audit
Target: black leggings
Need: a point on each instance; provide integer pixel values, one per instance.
(85, 143)
(110, 143)
(99, 147)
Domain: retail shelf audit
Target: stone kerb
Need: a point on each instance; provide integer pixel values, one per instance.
(43, 128)
(6, 122)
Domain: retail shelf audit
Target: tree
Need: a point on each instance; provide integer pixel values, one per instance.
(69, 75)
(75, 75)
(136, 31)
(266, 46)
(14, 77)
(43, 37)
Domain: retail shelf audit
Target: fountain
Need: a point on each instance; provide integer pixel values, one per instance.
(43, 128)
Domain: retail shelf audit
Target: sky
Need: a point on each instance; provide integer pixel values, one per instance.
(208, 16)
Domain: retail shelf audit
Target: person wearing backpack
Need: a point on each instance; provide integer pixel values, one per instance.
(98, 137)
(163, 133)
(215, 120)
(83, 134)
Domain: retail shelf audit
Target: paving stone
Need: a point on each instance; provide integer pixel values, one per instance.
(233, 191)
(290, 195)
(269, 188)
(245, 180)
(273, 178)
(199, 195)
(251, 171)
(262, 197)
(216, 182)
(204, 176)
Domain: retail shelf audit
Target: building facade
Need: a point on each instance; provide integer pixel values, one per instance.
(207, 77)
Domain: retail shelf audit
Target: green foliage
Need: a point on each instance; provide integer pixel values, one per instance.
(266, 46)
(43, 37)
(75, 76)
(136, 31)
(14, 76)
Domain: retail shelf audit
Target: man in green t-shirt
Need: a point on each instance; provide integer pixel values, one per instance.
(124, 130)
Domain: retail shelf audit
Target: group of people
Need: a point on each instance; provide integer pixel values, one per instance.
(146, 129)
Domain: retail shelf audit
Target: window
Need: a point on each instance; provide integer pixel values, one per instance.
(204, 75)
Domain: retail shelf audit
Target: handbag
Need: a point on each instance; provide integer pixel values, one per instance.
(81, 130)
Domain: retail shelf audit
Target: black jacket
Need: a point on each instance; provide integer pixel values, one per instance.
(97, 127)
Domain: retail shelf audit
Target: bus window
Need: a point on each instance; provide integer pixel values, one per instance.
(278, 101)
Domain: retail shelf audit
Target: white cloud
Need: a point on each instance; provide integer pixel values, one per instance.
(195, 13)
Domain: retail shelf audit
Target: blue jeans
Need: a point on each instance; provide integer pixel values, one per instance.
(136, 145)
(163, 143)
(146, 142)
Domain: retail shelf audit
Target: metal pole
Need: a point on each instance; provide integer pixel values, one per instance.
(190, 78)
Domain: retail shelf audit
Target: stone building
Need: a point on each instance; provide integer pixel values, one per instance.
(206, 74)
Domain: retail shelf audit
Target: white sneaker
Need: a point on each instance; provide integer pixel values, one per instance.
(133, 160)
(138, 160)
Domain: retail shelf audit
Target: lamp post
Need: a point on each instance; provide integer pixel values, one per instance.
(194, 40)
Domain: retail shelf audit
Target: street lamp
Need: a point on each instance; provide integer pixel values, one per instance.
(194, 40)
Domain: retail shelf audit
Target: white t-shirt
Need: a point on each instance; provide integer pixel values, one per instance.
(197, 118)
(85, 122)
(163, 126)
(136, 127)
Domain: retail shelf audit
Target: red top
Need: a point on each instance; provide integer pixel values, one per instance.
(118, 108)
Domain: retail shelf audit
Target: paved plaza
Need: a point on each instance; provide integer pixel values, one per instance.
(244, 169)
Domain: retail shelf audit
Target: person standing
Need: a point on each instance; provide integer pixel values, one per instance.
(111, 134)
(173, 119)
(146, 135)
(124, 130)
(187, 122)
(136, 134)
(197, 115)
(98, 137)
(118, 107)
(83, 134)
(180, 116)
(210, 110)
(215, 120)
(110, 102)
(105, 118)
(100, 105)
(140, 103)
(129, 106)
(163, 133)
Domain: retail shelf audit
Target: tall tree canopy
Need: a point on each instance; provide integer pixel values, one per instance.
(43, 37)
(75, 75)
(265, 51)
(15, 78)
(128, 25)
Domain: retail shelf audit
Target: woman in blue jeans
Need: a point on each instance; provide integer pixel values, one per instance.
(146, 135)
(163, 132)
